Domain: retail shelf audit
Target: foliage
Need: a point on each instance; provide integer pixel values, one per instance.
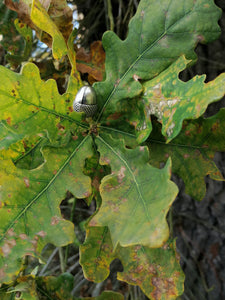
(47, 149)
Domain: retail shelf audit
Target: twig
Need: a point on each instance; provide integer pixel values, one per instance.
(71, 220)
(71, 268)
(84, 280)
(48, 262)
(97, 289)
(110, 15)
(62, 260)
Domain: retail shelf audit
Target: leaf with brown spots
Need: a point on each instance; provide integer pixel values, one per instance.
(135, 196)
(158, 35)
(48, 287)
(57, 288)
(31, 107)
(29, 211)
(92, 63)
(172, 100)
(96, 254)
(192, 151)
(156, 271)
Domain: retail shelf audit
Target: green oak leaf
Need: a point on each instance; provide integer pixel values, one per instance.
(109, 295)
(33, 115)
(48, 287)
(32, 156)
(29, 106)
(172, 100)
(158, 35)
(25, 153)
(192, 151)
(135, 196)
(57, 288)
(29, 203)
(156, 271)
(96, 253)
(24, 289)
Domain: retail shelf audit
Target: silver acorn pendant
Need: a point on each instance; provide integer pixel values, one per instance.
(85, 101)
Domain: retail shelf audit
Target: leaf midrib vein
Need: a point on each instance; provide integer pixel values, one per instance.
(179, 145)
(58, 114)
(132, 175)
(105, 232)
(134, 63)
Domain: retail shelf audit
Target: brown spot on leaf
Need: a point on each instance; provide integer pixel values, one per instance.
(55, 220)
(23, 236)
(86, 194)
(2, 273)
(139, 269)
(166, 246)
(34, 242)
(8, 120)
(105, 160)
(93, 222)
(114, 116)
(27, 182)
(60, 126)
(205, 146)
(121, 174)
(215, 126)
(42, 233)
(8, 245)
(163, 287)
(136, 77)
(11, 232)
(187, 133)
(116, 208)
(117, 82)
(201, 38)
(152, 270)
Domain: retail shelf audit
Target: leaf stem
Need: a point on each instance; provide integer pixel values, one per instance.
(110, 14)
(71, 219)
(62, 261)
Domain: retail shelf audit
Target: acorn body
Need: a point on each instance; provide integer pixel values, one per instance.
(85, 101)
